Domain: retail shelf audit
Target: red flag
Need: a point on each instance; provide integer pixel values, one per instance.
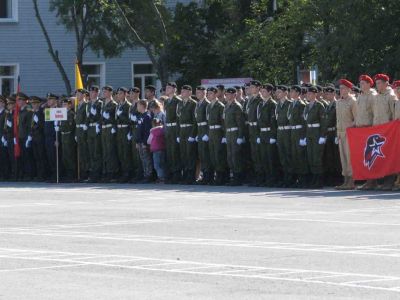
(374, 151)
(17, 147)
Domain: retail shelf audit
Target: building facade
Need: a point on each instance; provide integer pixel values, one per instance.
(24, 53)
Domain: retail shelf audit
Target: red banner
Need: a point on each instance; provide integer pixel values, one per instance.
(375, 150)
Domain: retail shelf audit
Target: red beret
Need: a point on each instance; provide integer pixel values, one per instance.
(345, 82)
(396, 84)
(383, 77)
(366, 78)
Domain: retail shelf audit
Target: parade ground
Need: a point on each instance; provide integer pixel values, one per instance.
(117, 241)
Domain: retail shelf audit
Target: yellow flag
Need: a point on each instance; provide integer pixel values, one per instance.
(78, 77)
(78, 82)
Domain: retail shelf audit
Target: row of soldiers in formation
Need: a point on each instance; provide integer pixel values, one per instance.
(260, 134)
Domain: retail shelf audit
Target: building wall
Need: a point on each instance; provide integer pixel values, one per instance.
(23, 43)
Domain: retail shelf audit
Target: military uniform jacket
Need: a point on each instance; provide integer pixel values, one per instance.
(281, 113)
(384, 107)
(81, 116)
(295, 116)
(185, 111)
(365, 106)
(94, 111)
(170, 106)
(266, 119)
(329, 120)
(201, 117)
(133, 117)
(24, 123)
(37, 125)
(345, 113)
(314, 115)
(68, 126)
(9, 126)
(122, 113)
(109, 109)
(215, 112)
(234, 117)
(251, 110)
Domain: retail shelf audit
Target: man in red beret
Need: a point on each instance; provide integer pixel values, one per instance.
(364, 116)
(345, 112)
(383, 111)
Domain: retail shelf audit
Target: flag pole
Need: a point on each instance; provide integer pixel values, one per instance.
(78, 85)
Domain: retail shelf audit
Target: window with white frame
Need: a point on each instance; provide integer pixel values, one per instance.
(143, 74)
(8, 79)
(94, 74)
(8, 11)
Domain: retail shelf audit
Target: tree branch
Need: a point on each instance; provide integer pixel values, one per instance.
(53, 53)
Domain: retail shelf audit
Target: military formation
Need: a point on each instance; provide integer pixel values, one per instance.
(261, 135)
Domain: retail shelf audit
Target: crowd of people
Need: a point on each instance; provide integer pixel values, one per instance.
(257, 134)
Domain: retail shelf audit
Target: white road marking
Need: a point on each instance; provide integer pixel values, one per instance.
(364, 250)
(280, 276)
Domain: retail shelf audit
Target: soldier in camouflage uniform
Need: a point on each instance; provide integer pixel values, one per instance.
(295, 116)
(68, 143)
(266, 121)
(314, 115)
(108, 136)
(9, 136)
(94, 108)
(171, 134)
(81, 121)
(234, 132)
(123, 135)
(215, 112)
(37, 143)
(187, 125)
(25, 169)
(137, 169)
(283, 135)
(203, 135)
(331, 158)
(251, 114)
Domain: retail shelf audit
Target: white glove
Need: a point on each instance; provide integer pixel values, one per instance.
(57, 128)
(205, 138)
(178, 140)
(29, 139)
(106, 115)
(129, 136)
(9, 123)
(113, 131)
(3, 140)
(272, 141)
(223, 141)
(191, 139)
(93, 111)
(97, 128)
(27, 144)
(239, 141)
(197, 138)
(119, 112)
(85, 127)
(321, 140)
(35, 119)
(336, 140)
(76, 139)
(258, 140)
(133, 118)
(15, 141)
(303, 142)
